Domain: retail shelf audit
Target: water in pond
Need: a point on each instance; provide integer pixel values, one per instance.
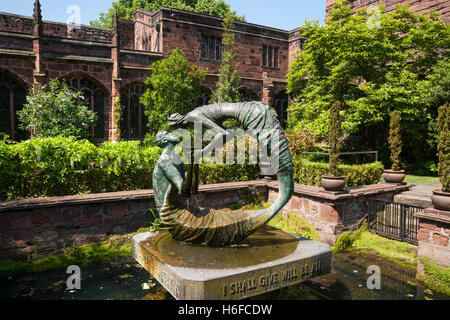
(124, 279)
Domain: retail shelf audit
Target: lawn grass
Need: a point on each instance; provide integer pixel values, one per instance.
(420, 179)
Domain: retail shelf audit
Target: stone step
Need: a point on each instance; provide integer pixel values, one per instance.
(414, 199)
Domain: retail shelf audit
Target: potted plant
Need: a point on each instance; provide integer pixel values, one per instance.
(395, 175)
(441, 198)
(333, 181)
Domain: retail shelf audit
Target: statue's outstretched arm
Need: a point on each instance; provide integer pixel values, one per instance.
(220, 132)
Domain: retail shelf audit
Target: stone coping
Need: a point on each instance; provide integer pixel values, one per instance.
(27, 204)
(303, 190)
(352, 192)
(434, 215)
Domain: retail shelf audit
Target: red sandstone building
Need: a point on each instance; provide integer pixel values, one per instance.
(105, 63)
(417, 6)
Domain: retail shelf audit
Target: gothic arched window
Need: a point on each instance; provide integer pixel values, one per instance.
(281, 104)
(133, 124)
(13, 95)
(96, 98)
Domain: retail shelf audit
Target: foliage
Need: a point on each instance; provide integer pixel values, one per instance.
(333, 140)
(395, 140)
(300, 141)
(436, 88)
(126, 8)
(435, 276)
(157, 224)
(343, 243)
(175, 86)
(222, 173)
(444, 146)
(117, 116)
(227, 86)
(56, 111)
(66, 166)
(363, 239)
(295, 224)
(372, 71)
(113, 248)
(310, 173)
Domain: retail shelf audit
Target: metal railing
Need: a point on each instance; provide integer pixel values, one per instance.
(394, 220)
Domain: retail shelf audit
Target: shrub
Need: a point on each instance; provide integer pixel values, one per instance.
(333, 140)
(222, 173)
(55, 111)
(310, 173)
(343, 243)
(175, 86)
(395, 140)
(67, 166)
(444, 146)
(300, 141)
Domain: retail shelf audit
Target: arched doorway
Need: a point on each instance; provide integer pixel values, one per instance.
(13, 93)
(133, 124)
(281, 104)
(96, 96)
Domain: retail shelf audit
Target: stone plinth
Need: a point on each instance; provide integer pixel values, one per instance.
(268, 260)
(434, 237)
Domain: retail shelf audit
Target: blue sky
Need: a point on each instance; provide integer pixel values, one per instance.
(282, 14)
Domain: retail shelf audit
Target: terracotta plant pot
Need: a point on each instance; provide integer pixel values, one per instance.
(441, 200)
(391, 176)
(333, 183)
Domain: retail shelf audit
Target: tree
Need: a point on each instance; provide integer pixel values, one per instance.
(126, 8)
(57, 111)
(444, 146)
(333, 140)
(395, 140)
(373, 71)
(175, 86)
(227, 86)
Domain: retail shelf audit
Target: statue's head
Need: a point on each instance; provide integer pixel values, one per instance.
(164, 138)
(176, 120)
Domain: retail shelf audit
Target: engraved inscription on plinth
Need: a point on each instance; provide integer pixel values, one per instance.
(268, 260)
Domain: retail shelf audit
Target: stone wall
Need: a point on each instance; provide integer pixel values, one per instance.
(333, 213)
(434, 237)
(45, 226)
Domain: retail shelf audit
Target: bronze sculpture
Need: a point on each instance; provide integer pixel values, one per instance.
(189, 223)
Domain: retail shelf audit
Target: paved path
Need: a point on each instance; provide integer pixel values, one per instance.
(419, 194)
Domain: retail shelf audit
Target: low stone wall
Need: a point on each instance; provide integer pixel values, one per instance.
(333, 213)
(434, 237)
(45, 226)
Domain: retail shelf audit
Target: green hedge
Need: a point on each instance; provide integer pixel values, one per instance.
(221, 173)
(310, 173)
(66, 166)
